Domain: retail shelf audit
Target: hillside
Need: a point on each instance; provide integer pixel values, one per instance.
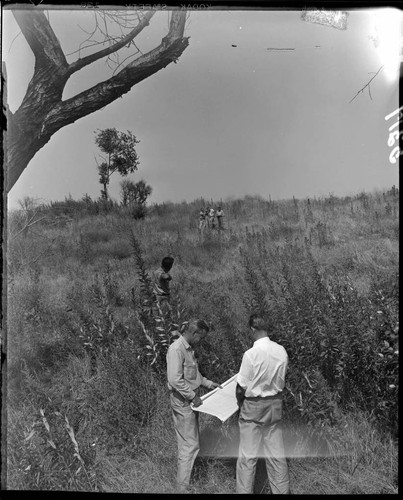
(88, 408)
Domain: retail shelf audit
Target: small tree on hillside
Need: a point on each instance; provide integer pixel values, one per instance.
(121, 155)
(135, 195)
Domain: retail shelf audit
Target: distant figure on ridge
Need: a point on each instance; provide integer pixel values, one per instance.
(212, 217)
(207, 215)
(161, 283)
(220, 215)
(202, 219)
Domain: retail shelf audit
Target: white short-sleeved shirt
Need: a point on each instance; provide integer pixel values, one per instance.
(263, 369)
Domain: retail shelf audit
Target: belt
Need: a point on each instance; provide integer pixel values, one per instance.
(279, 395)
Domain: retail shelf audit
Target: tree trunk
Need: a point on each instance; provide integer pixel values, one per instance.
(104, 193)
(42, 111)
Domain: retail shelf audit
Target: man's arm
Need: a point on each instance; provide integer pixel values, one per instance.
(240, 394)
(205, 382)
(209, 383)
(243, 379)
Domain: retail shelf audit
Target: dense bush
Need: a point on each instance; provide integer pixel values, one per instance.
(328, 329)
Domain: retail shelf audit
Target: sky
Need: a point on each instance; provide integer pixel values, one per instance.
(225, 121)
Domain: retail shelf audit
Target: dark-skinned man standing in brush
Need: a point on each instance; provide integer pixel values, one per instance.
(161, 283)
(260, 383)
(184, 380)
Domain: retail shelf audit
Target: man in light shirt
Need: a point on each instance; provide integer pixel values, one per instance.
(260, 383)
(202, 219)
(184, 379)
(212, 217)
(220, 215)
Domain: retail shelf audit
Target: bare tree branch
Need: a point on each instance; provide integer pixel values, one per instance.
(88, 39)
(119, 64)
(80, 63)
(103, 93)
(30, 223)
(367, 85)
(122, 20)
(43, 112)
(16, 36)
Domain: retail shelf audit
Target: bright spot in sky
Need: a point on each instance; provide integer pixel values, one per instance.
(388, 35)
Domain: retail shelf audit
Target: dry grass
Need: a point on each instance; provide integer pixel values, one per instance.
(364, 462)
(52, 302)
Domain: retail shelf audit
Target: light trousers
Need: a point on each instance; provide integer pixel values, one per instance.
(260, 428)
(186, 424)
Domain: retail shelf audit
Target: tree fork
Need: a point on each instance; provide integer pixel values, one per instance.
(42, 111)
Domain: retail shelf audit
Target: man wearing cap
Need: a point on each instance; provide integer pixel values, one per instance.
(184, 380)
(260, 383)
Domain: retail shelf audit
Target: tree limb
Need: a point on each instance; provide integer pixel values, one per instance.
(30, 223)
(43, 112)
(11, 44)
(103, 93)
(41, 38)
(80, 63)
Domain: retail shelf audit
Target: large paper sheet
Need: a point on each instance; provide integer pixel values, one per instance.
(220, 403)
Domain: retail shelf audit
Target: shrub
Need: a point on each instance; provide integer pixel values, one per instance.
(324, 324)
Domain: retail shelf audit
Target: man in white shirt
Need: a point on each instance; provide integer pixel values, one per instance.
(260, 383)
(202, 219)
(212, 217)
(184, 380)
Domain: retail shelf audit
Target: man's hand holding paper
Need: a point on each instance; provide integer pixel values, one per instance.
(219, 403)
